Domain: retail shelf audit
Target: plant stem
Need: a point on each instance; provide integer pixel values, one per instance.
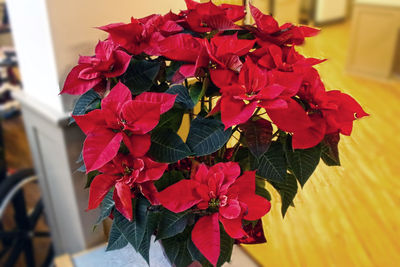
(235, 128)
(236, 149)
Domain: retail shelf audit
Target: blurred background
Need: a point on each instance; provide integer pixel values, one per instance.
(345, 216)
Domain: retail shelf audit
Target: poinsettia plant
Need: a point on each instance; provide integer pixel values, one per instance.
(258, 113)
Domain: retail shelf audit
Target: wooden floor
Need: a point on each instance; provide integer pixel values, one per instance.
(349, 215)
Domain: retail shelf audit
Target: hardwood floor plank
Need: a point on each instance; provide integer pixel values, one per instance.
(348, 215)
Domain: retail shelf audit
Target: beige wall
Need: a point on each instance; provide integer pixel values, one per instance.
(72, 24)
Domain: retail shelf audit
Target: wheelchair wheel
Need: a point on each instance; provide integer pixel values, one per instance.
(22, 226)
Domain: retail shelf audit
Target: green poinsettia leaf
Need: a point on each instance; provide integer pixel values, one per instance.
(261, 190)
(171, 119)
(303, 162)
(167, 146)
(258, 135)
(196, 92)
(135, 230)
(207, 135)
(140, 75)
(106, 207)
(183, 98)
(226, 247)
(153, 220)
(172, 224)
(116, 239)
(272, 164)
(330, 151)
(243, 157)
(195, 252)
(176, 249)
(87, 102)
(287, 190)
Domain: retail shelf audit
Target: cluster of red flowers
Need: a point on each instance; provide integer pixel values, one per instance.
(253, 66)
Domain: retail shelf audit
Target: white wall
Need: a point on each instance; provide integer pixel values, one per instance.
(380, 2)
(49, 35)
(72, 23)
(329, 10)
(32, 40)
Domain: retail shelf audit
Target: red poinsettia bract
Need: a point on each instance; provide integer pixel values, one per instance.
(205, 17)
(108, 62)
(143, 35)
(268, 30)
(121, 119)
(228, 197)
(126, 172)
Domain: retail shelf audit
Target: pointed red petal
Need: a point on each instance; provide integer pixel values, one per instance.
(206, 237)
(290, 119)
(265, 23)
(141, 117)
(149, 190)
(99, 188)
(223, 77)
(75, 86)
(257, 206)
(234, 12)
(244, 184)
(123, 200)
(122, 61)
(116, 98)
(309, 31)
(233, 227)
(137, 144)
(100, 147)
(180, 196)
(89, 122)
(165, 100)
(311, 136)
(153, 170)
(180, 47)
(235, 111)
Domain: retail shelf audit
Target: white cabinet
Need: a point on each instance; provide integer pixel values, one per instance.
(375, 39)
(326, 11)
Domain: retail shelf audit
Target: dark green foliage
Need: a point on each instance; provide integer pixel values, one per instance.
(153, 219)
(172, 223)
(116, 240)
(140, 75)
(207, 135)
(183, 98)
(330, 151)
(106, 207)
(133, 231)
(261, 190)
(87, 102)
(176, 249)
(167, 146)
(272, 165)
(171, 119)
(196, 92)
(303, 162)
(287, 190)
